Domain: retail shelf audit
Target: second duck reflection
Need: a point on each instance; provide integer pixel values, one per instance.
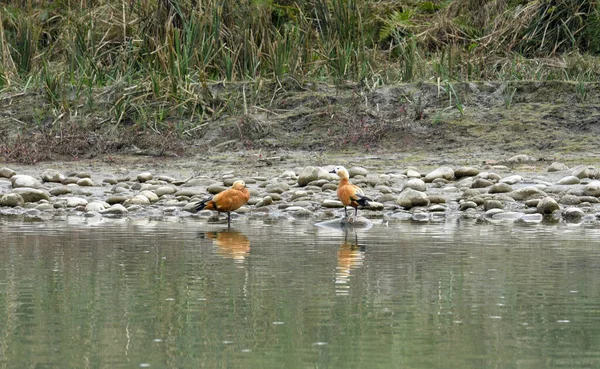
(235, 245)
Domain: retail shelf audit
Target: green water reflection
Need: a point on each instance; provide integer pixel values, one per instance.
(138, 293)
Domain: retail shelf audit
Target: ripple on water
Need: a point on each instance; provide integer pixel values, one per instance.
(402, 287)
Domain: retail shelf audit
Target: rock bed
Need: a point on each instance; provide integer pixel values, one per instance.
(492, 193)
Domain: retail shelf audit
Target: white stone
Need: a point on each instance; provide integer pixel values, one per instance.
(332, 204)
(409, 198)
(357, 171)
(416, 184)
(32, 194)
(73, 202)
(151, 196)
(85, 182)
(52, 175)
(12, 200)
(511, 180)
(569, 180)
(441, 172)
(145, 176)
(95, 206)
(6, 172)
(307, 175)
(115, 209)
(23, 180)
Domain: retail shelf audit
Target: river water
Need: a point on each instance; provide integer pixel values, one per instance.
(176, 293)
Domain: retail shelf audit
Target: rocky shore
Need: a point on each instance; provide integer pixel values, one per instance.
(491, 192)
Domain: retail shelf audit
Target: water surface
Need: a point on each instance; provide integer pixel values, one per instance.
(183, 294)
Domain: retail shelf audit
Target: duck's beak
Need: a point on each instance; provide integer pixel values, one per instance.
(333, 171)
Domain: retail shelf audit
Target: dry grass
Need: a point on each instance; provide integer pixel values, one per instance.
(168, 68)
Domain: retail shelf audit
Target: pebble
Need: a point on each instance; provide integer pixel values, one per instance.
(409, 198)
(481, 183)
(95, 206)
(569, 180)
(501, 187)
(307, 175)
(582, 171)
(164, 190)
(412, 173)
(32, 194)
(532, 218)
(492, 204)
(70, 180)
(467, 205)
(557, 167)
(24, 181)
(60, 190)
(82, 175)
(416, 184)
(85, 182)
(522, 158)
(52, 175)
(12, 200)
(145, 176)
(7, 172)
(357, 171)
(151, 196)
(466, 172)
(569, 200)
(265, 201)
(73, 202)
(526, 193)
(547, 205)
(215, 188)
(573, 215)
(511, 180)
(436, 208)
(311, 192)
(592, 189)
(442, 172)
(116, 209)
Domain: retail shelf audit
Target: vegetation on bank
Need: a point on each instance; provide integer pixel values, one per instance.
(172, 66)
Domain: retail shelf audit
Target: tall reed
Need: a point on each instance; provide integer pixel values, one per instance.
(169, 51)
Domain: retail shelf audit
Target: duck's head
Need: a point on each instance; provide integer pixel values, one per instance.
(341, 172)
(238, 185)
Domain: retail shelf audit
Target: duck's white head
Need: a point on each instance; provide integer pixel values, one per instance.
(341, 172)
(238, 185)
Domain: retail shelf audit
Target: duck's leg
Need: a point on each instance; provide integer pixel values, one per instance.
(356, 211)
(228, 219)
(345, 212)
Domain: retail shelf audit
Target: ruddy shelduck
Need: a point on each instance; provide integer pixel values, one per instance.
(227, 201)
(349, 194)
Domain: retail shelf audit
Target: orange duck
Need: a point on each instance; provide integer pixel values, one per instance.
(227, 201)
(349, 194)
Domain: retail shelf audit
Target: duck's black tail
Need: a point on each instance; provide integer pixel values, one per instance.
(363, 200)
(202, 203)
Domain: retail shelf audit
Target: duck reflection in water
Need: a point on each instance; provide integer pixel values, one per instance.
(350, 256)
(230, 244)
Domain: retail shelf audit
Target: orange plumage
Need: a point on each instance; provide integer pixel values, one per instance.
(228, 200)
(349, 194)
(350, 256)
(231, 244)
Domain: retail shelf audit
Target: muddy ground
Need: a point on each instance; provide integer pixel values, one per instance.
(420, 124)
